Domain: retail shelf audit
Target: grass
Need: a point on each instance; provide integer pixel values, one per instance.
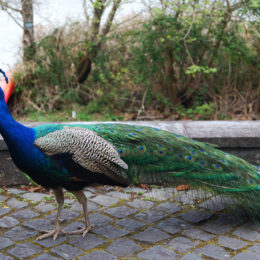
(66, 115)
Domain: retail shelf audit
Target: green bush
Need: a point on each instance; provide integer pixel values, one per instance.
(171, 63)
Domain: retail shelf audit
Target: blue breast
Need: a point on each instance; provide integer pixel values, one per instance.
(28, 158)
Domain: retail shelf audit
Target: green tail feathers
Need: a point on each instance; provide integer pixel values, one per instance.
(159, 157)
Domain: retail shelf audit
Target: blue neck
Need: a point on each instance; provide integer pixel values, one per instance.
(15, 135)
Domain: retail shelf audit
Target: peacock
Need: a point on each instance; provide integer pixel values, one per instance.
(73, 156)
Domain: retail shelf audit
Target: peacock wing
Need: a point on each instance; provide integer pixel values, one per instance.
(86, 148)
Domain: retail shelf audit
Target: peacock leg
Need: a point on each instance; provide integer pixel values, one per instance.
(55, 232)
(84, 201)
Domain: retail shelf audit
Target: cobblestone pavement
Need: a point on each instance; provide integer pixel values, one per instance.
(130, 223)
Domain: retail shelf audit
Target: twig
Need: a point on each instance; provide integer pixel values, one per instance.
(33, 104)
(142, 105)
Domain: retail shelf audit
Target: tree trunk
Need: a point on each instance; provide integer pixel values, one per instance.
(28, 33)
(84, 69)
(171, 84)
(96, 35)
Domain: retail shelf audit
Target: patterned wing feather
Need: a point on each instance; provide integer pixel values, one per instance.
(87, 149)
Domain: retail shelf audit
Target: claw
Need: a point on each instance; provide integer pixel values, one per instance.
(49, 233)
(82, 230)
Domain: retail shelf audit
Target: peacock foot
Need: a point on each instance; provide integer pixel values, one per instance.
(82, 230)
(51, 233)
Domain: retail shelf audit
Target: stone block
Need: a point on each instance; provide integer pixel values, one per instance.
(157, 252)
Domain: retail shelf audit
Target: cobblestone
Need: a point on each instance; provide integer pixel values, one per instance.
(168, 207)
(5, 242)
(134, 189)
(110, 232)
(216, 228)
(97, 219)
(254, 249)
(242, 232)
(196, 216)
(151, 235)
(213, 251)
(16, 204)
(4, 211)
(191, 257)
(36, 196)
(197, 234)
(172, 225)
(26, 213)
(215, 203)
(130, 224)
(99, 255)
(67, 251)
(8, 222)
(38, 224)
(65, 215)
(3, 198)
(231, 243)
(123, 247)
(185, 198)
(5, 257)
(140, 204)
(159, 194)
(150, 216)
(127, 225)
(158, 252)
(45, 257)
(44, 207)
(18, 233)
(24, 250)
(120, 195)
(105, 200)
(78, 207)
(247, 256)
(15, 191)
(86, 243)
(48, 242)
(182, 244)
(198, 194)
(120, 212)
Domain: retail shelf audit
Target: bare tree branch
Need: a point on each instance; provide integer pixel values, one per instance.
(226, 18)
(110, 18)
(14, 19)
(6, 6)
(96, 33)
(99, 6)
(85, 11)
